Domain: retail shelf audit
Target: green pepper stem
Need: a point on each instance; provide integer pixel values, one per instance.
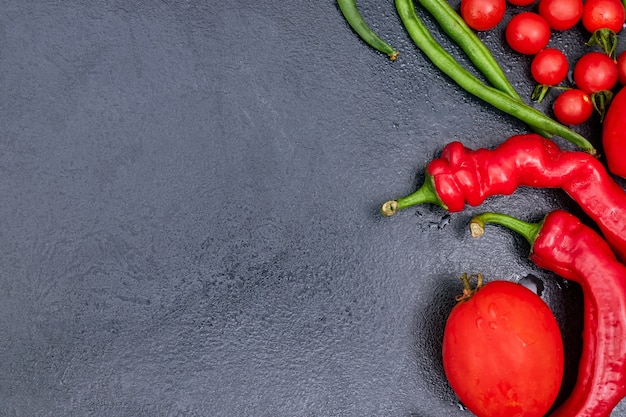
(425, 194)
(528, 230)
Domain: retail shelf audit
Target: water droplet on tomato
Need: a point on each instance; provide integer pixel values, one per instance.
(480, 323)
(493, 311)
(522, 341)
(493, 325)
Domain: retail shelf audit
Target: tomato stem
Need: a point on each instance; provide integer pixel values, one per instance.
(425, 194)
(606, 39)
(601, 100)
(540, 92)
(468, 291)
(528, 230)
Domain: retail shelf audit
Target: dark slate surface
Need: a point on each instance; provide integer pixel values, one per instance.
(189, 216)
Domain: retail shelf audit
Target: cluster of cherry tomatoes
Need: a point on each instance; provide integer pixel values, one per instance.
(595, 74)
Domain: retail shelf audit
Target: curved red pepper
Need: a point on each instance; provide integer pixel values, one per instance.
(614, 134)
(463, 176)
(562, 244)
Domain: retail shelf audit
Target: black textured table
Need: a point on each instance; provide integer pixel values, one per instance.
(189, 221)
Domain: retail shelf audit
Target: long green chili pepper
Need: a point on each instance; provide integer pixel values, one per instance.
(357, 23)
(500, 100)
(478, 53)
(466, 38)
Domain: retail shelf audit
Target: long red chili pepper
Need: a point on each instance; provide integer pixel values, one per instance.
(562, 244)
(463, 176)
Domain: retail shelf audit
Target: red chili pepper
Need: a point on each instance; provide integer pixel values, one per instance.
(614, 134)
(464, 176)
(562, 244)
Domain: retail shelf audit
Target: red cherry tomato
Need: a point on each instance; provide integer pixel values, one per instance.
(561, 14)
(549, 67)
(621, 68)
(573, 107)
(483, 14)
(594, 72)
(503, 353)
(527, 33)
(603, 14)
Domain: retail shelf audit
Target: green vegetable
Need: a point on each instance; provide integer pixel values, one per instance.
(357, 23)
(478, 53)
(500, 100)
(456, 28)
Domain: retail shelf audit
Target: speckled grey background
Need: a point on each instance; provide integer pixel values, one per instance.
(189, 212)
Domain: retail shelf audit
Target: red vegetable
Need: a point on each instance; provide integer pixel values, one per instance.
(573, 107)
(483, 14)
(614, 134)
(548, 68)
(603, 14)
(462, 176)
(603, 19)
(595, 72)
(561, 14)
(621, 68)
(497, 338)
(527, 33)
(562, 244)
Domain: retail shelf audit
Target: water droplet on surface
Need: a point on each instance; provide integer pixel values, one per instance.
(533, 283)
(445, 220)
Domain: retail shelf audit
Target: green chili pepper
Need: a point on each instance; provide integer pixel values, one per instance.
(478, 53)
(357, 23)
(456, 28)
(500, 100)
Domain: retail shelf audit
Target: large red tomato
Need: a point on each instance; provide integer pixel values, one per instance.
(503, 352)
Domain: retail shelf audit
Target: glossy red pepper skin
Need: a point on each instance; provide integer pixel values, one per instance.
(562, 244)
(614, 134)
(463, 176)
(574, 251)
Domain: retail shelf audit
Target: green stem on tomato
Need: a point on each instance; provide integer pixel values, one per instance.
(528, 230)
(425, 194)
(357, 23)
(448, 65)
(606, 40)
(468, 291)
